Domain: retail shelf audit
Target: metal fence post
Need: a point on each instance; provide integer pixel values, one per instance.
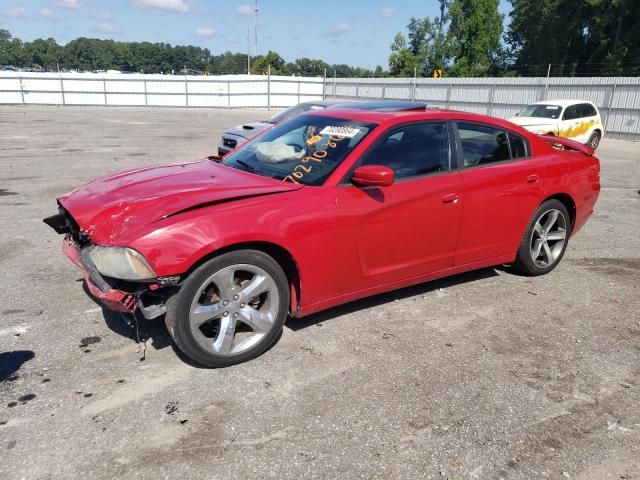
(186, 88)
(357, 91)
(298, 89)
(613, 92)
(384, 90)
(144, 83)
(228, 93)
(104, 89)
(491, 98)
(449, 88)
(413, 83)
(21, 89)
(61, 89)
(269, 87)
(324, 85)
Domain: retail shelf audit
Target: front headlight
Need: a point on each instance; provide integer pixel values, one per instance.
(121, 262)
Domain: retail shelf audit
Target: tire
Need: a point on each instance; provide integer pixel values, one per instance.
(244, 294)
(594, 139)
(533, 258)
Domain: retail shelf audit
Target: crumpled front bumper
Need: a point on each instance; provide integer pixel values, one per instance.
(111, 298)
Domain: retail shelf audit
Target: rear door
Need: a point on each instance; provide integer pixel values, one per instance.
(577, 122)
(409, 228)
(589, 119)
(503, 185)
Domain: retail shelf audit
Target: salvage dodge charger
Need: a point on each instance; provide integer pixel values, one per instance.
(323, 209)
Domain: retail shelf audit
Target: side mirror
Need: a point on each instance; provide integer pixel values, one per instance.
(373, 176)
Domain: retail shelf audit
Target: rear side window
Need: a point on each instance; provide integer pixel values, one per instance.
(483, 144)
(586, 110)
(518, 146)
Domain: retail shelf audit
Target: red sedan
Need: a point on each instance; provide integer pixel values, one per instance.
(325, 208)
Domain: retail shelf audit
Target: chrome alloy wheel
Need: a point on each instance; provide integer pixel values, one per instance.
(548, 238)
(234, 309)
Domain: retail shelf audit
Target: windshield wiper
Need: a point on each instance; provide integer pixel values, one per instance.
(247, 165)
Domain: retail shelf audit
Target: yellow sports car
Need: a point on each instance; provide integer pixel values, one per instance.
(574, 119)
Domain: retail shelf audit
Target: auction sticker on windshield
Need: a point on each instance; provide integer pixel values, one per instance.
(347, 132)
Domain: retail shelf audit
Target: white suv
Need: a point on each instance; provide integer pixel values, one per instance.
(574, 119)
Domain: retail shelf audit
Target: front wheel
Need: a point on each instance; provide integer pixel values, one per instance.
(545, 239)
(230, 309)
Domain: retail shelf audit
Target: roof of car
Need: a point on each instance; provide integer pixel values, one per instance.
(561, 102)
(322, 103)
(381, 116)
(383, 105)
(427, 114)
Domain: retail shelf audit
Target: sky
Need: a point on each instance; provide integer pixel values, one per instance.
(355, 32)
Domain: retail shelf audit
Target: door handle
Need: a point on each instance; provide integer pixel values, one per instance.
(533, 178)
(450, 198)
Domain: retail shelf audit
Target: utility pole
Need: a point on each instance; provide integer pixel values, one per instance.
(248, 52)
(546, 83)
(255, 27)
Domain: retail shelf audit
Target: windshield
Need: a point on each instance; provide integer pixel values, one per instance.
(541, 111)
(305, 149)
(293, 111)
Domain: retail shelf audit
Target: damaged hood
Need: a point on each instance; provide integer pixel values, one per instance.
(108, 207)
(248, 130)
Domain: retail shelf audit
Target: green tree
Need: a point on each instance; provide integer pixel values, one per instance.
(541, 33)
(308, 67)
(379, 72)
(6, 47)
(229, 63)
(261, 64)
(402, 61)
(45, 53)
(598, 37)
(474, 36)
(428, 45)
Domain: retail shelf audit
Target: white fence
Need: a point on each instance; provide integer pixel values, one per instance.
(137, 90)
(617, 98)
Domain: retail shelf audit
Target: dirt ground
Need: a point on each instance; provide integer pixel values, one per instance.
(484, 375)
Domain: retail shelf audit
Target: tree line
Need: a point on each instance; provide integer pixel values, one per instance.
(467, 39)
(90, 54)
(556, 37)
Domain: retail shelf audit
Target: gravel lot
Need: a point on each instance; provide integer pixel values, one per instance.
(483, 375)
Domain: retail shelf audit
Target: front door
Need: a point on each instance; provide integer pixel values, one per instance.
(409, 228)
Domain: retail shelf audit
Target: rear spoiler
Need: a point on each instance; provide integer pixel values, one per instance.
(568, 144)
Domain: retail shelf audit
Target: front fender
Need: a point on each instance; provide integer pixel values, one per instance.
(302, 222)
(179, 243)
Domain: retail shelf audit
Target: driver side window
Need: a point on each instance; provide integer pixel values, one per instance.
(412, 150)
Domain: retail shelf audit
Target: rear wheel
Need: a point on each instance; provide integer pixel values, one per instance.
(230, 309)
(545, 239)
(594, 139)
